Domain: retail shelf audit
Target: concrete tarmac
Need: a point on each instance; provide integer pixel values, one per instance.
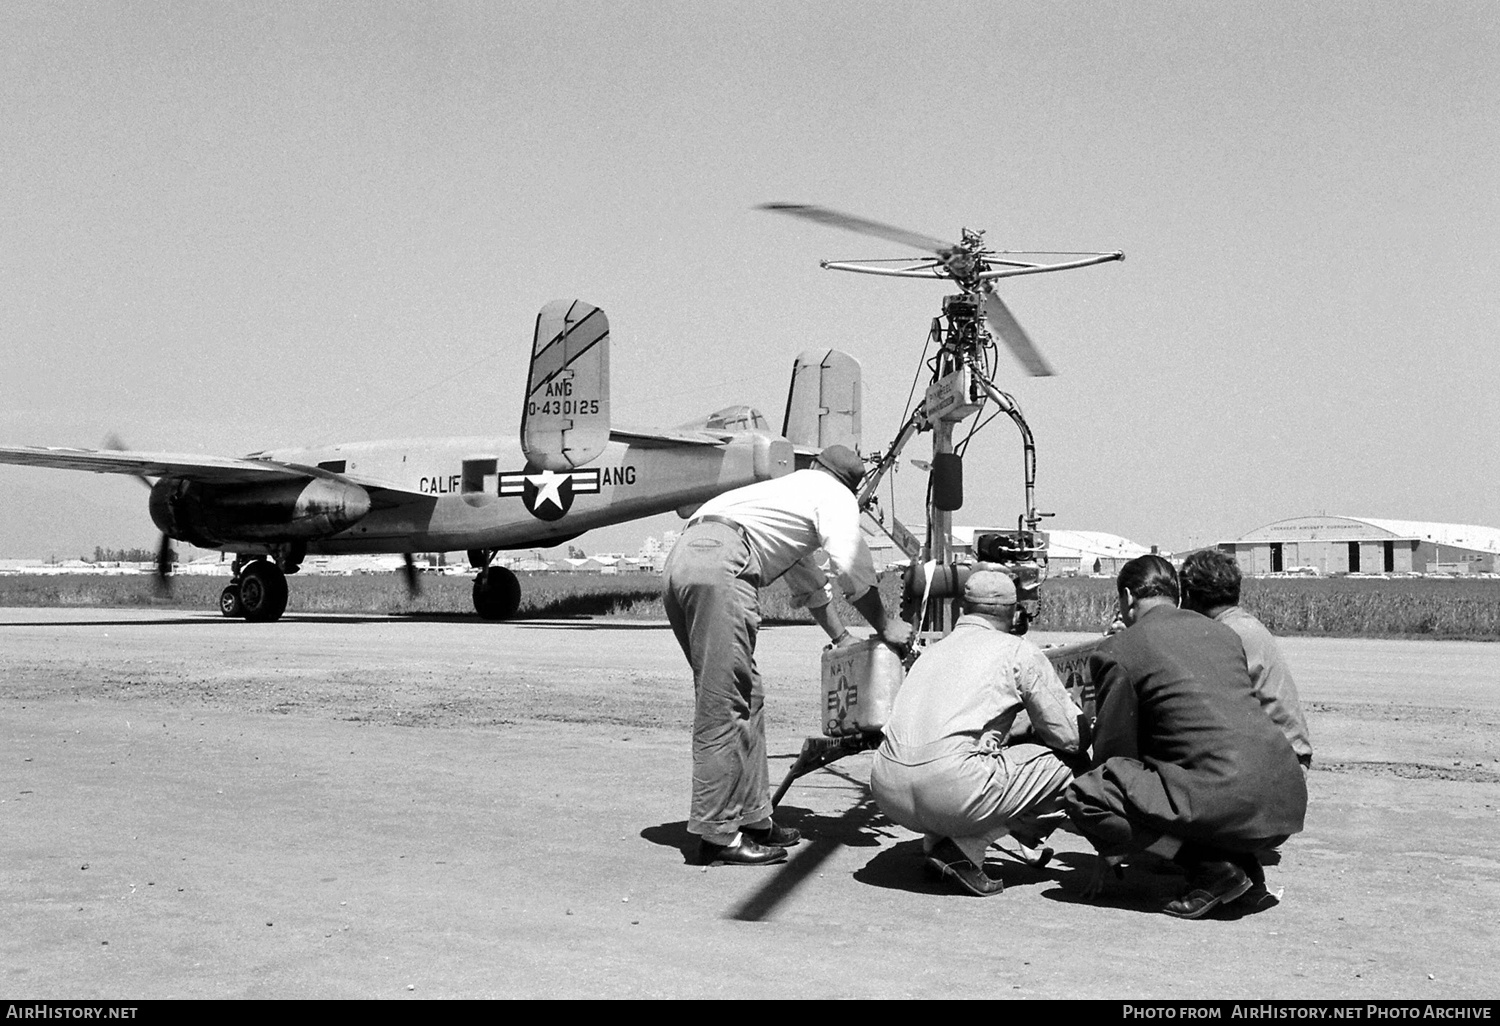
(395, 807)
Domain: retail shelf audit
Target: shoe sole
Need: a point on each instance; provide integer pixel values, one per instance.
(1036, 858)
(946, 872)
(1228, 896)
(748, 865)
(774, 844)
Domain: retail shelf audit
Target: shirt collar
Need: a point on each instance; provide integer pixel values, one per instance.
(988, 623)
(1154, 610)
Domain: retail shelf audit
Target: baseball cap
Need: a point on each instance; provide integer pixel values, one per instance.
(989, 588)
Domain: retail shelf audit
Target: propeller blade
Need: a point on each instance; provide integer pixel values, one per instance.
(862, 225)
(1014, 336)
(115, 442)
(164, 566)
(409, 571)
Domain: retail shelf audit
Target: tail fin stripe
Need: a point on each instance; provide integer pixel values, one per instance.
(542, 374)
(571, 330)
(550, 375)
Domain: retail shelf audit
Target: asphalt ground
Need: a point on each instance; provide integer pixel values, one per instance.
(379, 807)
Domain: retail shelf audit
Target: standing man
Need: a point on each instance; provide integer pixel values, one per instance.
(1211, 586)
(739, 542)
(1185, 763)
(942, 770)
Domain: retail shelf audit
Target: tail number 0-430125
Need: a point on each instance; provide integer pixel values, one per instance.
(563, 408)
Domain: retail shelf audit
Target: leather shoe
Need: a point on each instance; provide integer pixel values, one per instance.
(948, 861)
(778, 836)
(1210, 884)
(1257, 899)
(746, 852)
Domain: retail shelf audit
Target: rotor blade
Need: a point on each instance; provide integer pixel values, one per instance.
(409, 571)
(1014, 336)
(864, 226)
(164, 565)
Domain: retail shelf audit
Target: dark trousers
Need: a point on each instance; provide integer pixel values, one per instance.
(714, 608)
(1115, 822)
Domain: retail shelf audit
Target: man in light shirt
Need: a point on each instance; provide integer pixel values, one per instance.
(944, 769)
(1211, 585)
(737, 543)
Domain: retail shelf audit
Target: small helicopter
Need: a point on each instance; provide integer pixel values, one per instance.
(961, 384)
(962, 372)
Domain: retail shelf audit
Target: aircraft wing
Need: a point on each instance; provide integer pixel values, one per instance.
(211, 469)
(664, 439)
(218, 469)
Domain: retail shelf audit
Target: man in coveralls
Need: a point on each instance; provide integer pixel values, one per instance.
(737, 543)
(944, 768)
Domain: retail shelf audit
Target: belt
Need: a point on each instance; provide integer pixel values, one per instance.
(714, 518)
(751, 572)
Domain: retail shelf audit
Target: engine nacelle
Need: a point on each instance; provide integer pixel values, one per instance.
(213, 515)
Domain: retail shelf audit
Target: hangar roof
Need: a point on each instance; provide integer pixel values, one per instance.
(1330, 528)
(1463, 536)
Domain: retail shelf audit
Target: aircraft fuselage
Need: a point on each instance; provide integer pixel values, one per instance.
(460, 493)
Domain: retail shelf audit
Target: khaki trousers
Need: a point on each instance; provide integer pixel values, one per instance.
(714, 608)
(959, 790)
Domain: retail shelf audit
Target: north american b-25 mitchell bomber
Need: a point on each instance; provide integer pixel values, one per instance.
(569, 472)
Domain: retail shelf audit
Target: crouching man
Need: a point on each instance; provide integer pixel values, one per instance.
(943, 769)
(1210, 583)
(1186, 765)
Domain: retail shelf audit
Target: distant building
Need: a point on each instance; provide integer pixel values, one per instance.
(1071, 552)
(1365, 545)
(1090, 552)
(653, 553)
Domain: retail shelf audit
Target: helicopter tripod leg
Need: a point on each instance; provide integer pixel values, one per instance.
(818, 752)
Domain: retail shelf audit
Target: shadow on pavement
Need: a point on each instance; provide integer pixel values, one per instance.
(849, 830)
(673, 835)
(584, 623)
(903, 867)
(205, 618)
(822, 837)
(1148, 883)
(170, 621)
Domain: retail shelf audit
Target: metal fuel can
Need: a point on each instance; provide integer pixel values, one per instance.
(860, 682)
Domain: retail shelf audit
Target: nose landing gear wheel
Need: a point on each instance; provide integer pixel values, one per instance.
(229, 601)
(262, 592)
(497, 593)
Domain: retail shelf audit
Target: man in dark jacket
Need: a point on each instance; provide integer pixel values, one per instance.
(1186, 764)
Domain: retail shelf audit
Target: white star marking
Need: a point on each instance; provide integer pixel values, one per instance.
(547, 484)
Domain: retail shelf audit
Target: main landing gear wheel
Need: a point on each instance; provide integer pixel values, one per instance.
(262, 592)
(497, 593)
(229, 601)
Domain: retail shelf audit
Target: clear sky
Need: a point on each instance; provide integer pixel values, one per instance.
(228, 227)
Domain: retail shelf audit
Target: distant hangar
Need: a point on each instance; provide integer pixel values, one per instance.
(1365, 545)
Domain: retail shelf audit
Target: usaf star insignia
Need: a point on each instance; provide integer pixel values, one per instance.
(546, 494)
